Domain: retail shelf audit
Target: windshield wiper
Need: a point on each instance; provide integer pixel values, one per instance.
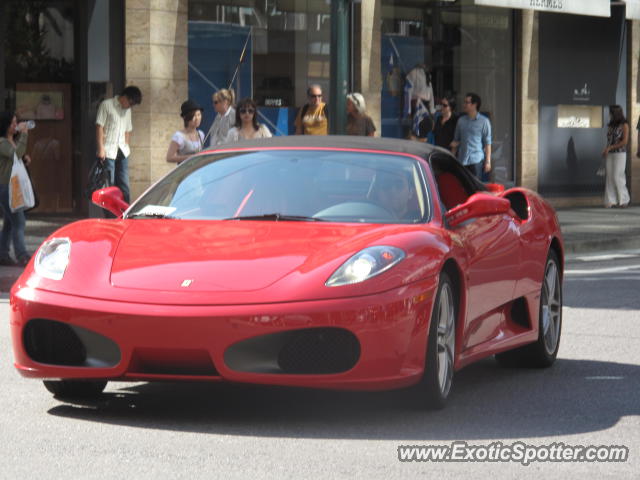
(277, 217)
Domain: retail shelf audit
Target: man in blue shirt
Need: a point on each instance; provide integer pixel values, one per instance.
(472, 140)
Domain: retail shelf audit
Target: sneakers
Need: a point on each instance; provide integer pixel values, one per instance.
(7, 262)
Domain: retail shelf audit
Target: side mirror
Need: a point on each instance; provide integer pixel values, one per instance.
(496, 188)
(110, 198)
(477, 205)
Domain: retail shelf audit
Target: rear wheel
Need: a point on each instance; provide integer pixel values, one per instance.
(544, 351)
(438, 374)
(75, 388)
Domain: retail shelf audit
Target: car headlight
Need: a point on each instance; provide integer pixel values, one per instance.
(52, 258)
(365, 264)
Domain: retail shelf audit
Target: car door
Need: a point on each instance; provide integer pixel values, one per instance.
(490, 249)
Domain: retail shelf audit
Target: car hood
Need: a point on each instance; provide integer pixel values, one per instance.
(224, 257)
(232, 262)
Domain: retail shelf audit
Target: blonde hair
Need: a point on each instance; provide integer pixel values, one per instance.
(358, 102)
(225, 94)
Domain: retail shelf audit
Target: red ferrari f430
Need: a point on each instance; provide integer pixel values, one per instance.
(326, 262)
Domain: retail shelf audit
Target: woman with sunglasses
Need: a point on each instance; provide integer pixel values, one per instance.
(223, 101)
(445, 125)
(247, 126)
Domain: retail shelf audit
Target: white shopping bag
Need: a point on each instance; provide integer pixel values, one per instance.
(21, 195)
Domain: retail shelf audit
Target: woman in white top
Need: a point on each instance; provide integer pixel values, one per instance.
(189, 140)
(223, 101)
(247, 125)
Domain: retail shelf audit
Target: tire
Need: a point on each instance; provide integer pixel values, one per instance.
(543, 352)
(438, 374)
(75, 388)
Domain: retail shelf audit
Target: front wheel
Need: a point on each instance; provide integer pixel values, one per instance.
(75, 388)
(544, 351)
(441, 345)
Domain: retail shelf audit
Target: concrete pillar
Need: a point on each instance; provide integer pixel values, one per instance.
(633, 111)
(368, 76)
(156, 61)
(527, 100)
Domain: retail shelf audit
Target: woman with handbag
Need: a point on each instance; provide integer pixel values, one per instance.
(14, 222)
(616, 194)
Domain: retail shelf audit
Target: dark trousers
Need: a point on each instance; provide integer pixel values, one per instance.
(476, 169)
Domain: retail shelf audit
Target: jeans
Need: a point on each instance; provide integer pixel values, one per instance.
(476, 169)
(12, 227)
(119, 173)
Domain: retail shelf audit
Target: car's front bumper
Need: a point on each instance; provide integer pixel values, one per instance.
(159, 342)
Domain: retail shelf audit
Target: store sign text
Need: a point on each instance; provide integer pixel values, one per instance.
(550, 4)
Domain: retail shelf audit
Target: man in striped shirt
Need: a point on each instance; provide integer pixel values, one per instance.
(113, 128)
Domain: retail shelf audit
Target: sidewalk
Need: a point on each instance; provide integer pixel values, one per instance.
(584, 229)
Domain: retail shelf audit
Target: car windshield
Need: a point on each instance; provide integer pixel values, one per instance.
(290, 185)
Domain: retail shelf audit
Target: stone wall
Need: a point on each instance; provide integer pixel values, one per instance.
(527, 100)
(633, 111)
(368, 79)
(156, 61)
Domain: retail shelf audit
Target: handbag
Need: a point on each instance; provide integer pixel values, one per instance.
(98, 178)
(21, 196)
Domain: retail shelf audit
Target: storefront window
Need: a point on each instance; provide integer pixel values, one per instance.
(269, 50)
(453, 48)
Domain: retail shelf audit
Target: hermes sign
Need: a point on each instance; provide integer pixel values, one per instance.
(599, 8)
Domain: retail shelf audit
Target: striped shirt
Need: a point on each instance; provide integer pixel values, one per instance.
(116, 121)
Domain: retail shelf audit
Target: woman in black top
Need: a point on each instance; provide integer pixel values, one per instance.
(445, 126)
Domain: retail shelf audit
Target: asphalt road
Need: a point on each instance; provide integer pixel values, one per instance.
(137, 430)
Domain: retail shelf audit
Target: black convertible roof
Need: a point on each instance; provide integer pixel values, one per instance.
(412, 147)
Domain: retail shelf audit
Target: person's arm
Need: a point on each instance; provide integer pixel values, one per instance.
(456, 140)
(487, 140)
(487, 158)
(21, 146)
(100, 153)
(172, 153)
(625, 136)
(127, 136)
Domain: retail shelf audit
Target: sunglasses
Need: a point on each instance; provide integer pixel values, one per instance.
(444, 105)
(247, 110)
(315, 96)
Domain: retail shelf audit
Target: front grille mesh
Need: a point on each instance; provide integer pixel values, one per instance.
(52, 342)
(319, 351)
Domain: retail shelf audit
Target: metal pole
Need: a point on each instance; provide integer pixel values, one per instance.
(338, 82)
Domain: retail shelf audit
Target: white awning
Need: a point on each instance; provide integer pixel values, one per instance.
(633, 9)
(598, 8)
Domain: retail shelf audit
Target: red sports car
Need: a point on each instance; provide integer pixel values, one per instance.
(329, 262)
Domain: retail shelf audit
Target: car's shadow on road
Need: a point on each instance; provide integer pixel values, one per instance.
(574, 396)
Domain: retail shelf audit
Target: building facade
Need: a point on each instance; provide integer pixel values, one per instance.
(546, 73)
